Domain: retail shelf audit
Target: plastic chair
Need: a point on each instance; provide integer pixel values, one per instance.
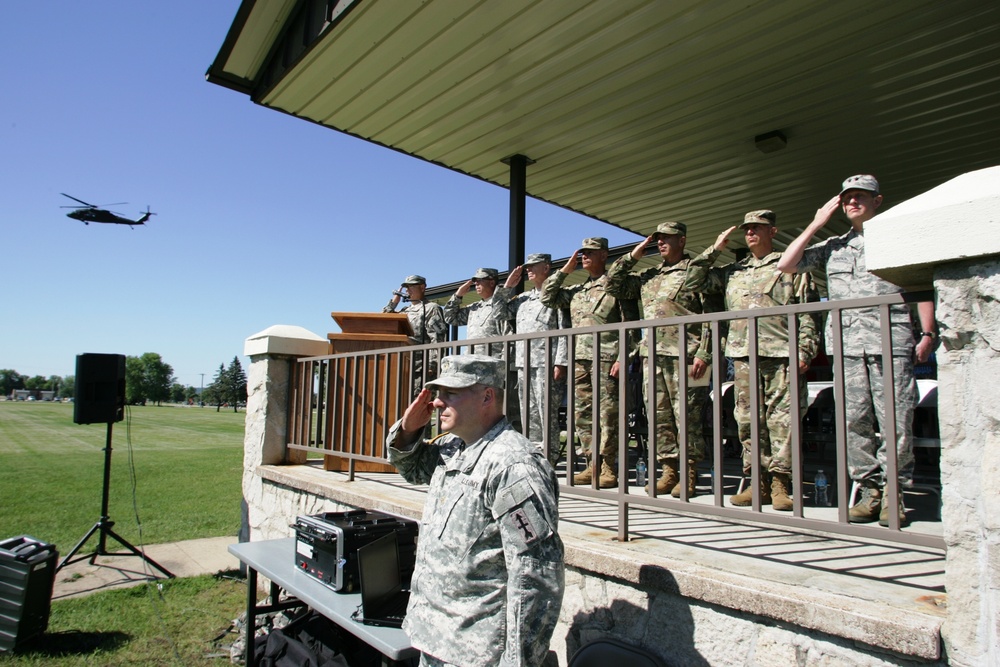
(611, 652)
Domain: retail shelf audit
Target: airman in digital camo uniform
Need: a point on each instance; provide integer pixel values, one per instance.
(843, 260)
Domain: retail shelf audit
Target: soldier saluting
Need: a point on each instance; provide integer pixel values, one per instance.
(756, 282)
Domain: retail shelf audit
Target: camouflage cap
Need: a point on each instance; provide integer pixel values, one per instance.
(594, 243)
(464, 370)
(761, 217)
(672, 228)
(538, 258)
(860, 182)
(491, 274)
(415, 280)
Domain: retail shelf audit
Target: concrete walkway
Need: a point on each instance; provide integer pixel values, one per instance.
(183, 559)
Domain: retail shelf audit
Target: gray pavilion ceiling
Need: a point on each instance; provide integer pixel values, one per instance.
(640, 111)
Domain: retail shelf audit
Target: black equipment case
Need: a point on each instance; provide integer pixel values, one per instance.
(27, 574)
(326, 545)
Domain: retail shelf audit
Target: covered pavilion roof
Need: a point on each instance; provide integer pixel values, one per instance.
(639, 111)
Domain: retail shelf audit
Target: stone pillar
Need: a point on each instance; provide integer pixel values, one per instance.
(272, 353)
(949, 238)
(968, 313)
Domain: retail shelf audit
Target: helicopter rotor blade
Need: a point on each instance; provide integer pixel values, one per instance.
(75, 199)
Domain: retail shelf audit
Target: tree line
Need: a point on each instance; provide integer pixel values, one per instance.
(148, 378)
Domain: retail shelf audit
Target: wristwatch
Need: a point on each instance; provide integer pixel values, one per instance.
(929, 334)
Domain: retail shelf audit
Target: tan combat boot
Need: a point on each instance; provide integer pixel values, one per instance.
(667, 480)
(745, 499)
(867, 509)
(883, 515)
(692, 481)
(608, 478)
(781, 486)
(586, 475)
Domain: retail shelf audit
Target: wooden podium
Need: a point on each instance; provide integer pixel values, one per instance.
(369, 399)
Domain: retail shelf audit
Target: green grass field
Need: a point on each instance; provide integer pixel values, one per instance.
(188, 464)
(181, 622)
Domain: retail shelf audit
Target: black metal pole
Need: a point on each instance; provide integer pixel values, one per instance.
(106, 494)
(518, 193)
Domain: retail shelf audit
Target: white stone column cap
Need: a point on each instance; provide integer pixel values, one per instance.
(957, 220)
(286, 339)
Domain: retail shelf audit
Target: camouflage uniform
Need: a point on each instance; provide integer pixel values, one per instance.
(757, 283)
(489, 577)
(590, 304)
(843, 259)
(671, 291)
(530, 315)
(427, 321)
(482, 319)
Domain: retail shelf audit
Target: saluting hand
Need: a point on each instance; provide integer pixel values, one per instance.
(418, 413)
(464, 289)
(825, 212)
(723, 240)
(570, 265)
(640, 248)
(514, 279)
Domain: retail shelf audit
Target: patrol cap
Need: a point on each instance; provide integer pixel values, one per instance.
(672, 228)
(860, 182)
(464, 370)
(492, 274)
(415, 280)
(761, 217)
(538, 258)
(594, 243)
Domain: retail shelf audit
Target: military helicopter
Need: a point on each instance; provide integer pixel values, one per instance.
(88, 213)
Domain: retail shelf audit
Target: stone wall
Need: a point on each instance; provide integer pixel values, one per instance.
(968, 314)
(686, 632)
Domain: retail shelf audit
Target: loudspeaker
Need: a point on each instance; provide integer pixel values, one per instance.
(99, 392)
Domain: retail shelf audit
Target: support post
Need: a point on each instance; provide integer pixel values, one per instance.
(518, 193)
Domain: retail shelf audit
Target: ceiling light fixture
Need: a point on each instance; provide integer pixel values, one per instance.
(770, 141)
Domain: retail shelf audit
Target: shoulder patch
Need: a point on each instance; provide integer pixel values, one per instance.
(523, 527)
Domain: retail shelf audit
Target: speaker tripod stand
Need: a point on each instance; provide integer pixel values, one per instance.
(104, 528)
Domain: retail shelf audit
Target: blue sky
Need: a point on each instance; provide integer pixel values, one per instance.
(261, 218)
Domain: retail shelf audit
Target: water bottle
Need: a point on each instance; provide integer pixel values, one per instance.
(822, 487)
(640, 472)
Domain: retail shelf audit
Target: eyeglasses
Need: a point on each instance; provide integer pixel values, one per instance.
(857, 195)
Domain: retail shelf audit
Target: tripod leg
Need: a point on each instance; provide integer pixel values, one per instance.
(66, 560)
(135, 552)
